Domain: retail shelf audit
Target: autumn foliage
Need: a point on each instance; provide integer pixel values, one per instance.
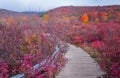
(26, 40)
(100, 36)
(85, 18)
(24, 46)
(45, 18)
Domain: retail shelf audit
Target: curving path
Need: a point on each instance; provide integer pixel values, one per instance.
(81, 65)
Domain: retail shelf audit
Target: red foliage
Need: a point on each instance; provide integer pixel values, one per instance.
(3, 69)
(98, 44)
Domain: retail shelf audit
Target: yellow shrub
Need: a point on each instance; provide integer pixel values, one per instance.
(45, 18)
(85, 18)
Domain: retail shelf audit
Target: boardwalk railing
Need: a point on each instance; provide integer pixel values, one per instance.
(43, 62)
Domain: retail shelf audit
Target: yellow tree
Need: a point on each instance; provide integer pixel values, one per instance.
(45, 18)
(105, 16)
(85, 18)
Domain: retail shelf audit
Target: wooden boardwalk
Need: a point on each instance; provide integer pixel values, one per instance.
(81, 65)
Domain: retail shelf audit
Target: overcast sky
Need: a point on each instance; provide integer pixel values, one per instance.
(43, 5)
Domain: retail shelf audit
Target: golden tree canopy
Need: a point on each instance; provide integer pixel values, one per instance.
(45, 18)
(85, 18)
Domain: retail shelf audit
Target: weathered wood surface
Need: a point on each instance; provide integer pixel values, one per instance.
(81, 65)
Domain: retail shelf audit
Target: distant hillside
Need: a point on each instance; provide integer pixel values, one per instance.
(101, 13)
(4, 13)
(83, 9)
(29, 12)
